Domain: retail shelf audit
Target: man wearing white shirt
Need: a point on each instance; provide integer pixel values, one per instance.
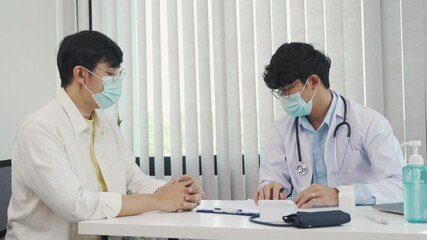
(325, 141)
(70, 162)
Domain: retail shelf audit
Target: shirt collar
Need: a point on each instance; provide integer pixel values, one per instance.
(303, 121)
(76, 118)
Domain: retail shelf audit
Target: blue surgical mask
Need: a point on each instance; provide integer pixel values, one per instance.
(111, 93)
(295, 105)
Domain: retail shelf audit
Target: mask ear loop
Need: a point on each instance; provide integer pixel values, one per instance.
(305, 85)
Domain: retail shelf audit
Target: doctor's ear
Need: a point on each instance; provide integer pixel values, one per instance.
(314, 81)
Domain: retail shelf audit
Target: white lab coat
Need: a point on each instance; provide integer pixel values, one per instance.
(54, 184)
(374, 156)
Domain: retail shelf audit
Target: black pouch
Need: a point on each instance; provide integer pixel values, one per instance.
(317, 219)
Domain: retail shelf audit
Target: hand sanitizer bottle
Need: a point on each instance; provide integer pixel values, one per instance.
(415, 186)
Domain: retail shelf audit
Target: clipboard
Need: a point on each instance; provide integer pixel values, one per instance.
(230, 211)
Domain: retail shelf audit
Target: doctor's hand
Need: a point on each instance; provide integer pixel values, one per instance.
(273, 190)
(194, 190)
(317, 195)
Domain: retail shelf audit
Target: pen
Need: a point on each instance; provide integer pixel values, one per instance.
(378, 219)
(226, 211)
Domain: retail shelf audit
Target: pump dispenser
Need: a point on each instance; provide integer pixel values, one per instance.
(415, 158)
(415, 186)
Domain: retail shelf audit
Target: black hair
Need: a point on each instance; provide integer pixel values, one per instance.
(294, 61)
(86, 48)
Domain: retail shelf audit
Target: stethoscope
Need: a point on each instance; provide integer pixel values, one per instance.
(302, 168)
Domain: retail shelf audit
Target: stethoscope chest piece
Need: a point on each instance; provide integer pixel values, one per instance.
(302, 168)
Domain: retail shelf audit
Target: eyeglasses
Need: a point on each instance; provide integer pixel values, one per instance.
(118, 75)
(284, 93)
(277, 93)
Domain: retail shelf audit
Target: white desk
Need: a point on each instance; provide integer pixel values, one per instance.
(219, 226)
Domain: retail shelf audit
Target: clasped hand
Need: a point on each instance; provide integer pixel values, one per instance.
(181, 194)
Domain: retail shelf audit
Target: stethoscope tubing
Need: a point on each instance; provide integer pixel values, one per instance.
(302, 168)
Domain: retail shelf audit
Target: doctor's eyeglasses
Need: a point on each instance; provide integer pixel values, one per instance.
(284, 93)
(277, 93)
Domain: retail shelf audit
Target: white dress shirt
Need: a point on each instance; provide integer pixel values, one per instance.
(54, 184)
(371, 160)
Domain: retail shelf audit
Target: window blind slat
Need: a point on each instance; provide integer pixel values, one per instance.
(353, 58)
(220, 98)
(392, 66)
(174, 90)
(373, 55)
(97, 15)
(249, 95)
(315, 23)
(83, 16)
(142, 86)
(296, 21)
(157, 101)
(205, 99)
(190, 88)
(233, 99)
(334, 44)
(263, 30)
(124, 40)
(279, 35)
(412, 12)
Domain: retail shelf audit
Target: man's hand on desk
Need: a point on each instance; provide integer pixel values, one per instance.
(193, 192)
(317, 195)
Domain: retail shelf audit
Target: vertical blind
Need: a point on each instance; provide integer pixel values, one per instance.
(194, 93)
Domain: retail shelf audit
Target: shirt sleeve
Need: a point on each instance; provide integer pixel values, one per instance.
(109, 205)
(363, 195)
(385, 154)
(273, 167)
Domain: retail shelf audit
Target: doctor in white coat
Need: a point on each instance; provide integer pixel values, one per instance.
(325, 141)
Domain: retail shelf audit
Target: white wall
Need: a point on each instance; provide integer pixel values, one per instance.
(30, 33)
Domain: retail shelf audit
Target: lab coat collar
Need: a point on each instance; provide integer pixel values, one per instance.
(339, 109)
(76, 118)
(337, 117)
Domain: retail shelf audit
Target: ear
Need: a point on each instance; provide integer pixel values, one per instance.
(315, 81)
(79, 74)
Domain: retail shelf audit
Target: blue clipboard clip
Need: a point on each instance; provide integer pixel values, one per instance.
(231, 211)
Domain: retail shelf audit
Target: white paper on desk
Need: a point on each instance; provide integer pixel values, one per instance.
(244, 205)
